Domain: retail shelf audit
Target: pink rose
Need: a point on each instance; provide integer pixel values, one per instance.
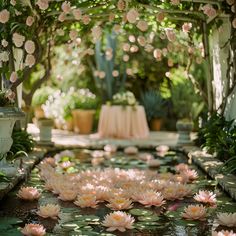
(77, 14)
(30, 60)
(42, 4)
(29, 20)
(4, 16)
(186, 27)
(66, 7)
(13, 77)
(29, 46)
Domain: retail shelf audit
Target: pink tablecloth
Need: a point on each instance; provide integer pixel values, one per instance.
(123, 122)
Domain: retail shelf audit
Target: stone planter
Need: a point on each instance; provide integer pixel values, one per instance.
(83, 120)
(155, 124)
(184, 128)
(8, 117)
(45, 129)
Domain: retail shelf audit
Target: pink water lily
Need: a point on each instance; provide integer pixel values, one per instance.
(194, 212)
(33, 230)
(118, 220)
(28, 193)
(119, 203)
(49, 211)
(227, 219)
(205, 197)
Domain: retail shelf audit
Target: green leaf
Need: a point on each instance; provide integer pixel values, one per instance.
(140, 212)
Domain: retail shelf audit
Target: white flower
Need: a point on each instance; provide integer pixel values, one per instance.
(42, 4)
(4, 16)
(18, 39)
(29, 46)
(29, 20)
(102, 74)
(134, 49)
(125, 58)
(66, 7)
(73, 34)
(115, 73)
(4, 56)
(129, 71)
(132, 16)
(29, 60)
(4, 43)
(77, 14)
(227, 219)
(157, 53)
(13, 77)
(13, 2)
(62, 17)
(142, 25)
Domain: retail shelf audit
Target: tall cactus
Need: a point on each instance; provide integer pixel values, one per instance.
(109, 85)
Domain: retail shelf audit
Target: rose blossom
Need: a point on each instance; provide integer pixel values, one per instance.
(160, 16)
(4, 56)
(86, 19)
(13, 77)
(73, 34)
(4, 43)
(125, 58)
(234, 23)
(42, 4)
(4, 16)
(29, 46)
(29, 20)
(142, 25)
(30, 60)
(175, 2)
(33, 230)
(115, 73)
(77, 14)
(170, 34)
(121, 5)
(18, 39)
(186, 27)
(141, 40)
(209, 10)
(62, 17)
(66, 7)
(132, 16)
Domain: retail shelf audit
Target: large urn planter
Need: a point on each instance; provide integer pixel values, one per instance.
(83, 120)
(184, 128)
(8, 117)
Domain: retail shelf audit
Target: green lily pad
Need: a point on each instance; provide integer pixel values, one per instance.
(10, 221)
(70, 210)
(150, 218)
(140, 212)
(74, 224)
(87, 218)
(189, 223)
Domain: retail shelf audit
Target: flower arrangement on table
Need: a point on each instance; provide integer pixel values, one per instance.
(124, 99)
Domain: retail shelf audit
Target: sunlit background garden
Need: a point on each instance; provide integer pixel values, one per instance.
(117, 117)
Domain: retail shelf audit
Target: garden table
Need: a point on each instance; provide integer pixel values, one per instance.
(123, 122)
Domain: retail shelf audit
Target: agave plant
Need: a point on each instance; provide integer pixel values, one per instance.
(154, 104)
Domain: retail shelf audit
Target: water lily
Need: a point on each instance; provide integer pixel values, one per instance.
(33, 230)
(152, 198)
(86, 200)
(205, 197)
(119, 203)
(194, 212)
(67, 195)
(49, 211)
(227, 219)
(118, 220)
(223, 233)
(28, 193)
(131, 150)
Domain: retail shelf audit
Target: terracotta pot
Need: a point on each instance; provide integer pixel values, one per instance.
(69, 125)
(83, 121)
(156, 124)
(39, 112)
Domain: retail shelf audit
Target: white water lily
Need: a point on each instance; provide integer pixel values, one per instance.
(227, 219)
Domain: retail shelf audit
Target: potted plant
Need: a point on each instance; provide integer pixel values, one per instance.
(39, 98)
(9, 114)
(187, 106)
(124, 99)
(154, 105)
(83, 110)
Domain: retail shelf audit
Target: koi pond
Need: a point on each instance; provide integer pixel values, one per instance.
(86, 192)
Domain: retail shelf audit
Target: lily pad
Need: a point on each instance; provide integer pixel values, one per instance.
(189, 223)
(150, 218)
(140, 212)
(87, 218)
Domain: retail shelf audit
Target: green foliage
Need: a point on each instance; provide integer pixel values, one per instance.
(219, 136)
(186, 102)
(41, 95)
(22, 142)
(108, 85)
(154, 104)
